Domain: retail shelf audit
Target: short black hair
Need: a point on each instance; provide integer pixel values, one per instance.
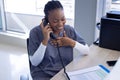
(51, 5)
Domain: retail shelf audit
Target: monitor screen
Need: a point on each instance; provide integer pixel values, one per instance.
(110, 33)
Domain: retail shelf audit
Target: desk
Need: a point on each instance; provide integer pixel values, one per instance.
(96, 56)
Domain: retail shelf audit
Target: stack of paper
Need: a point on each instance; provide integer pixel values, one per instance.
(92, 73)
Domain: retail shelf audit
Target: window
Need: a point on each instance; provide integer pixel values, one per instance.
(115, 5)
(23, 15)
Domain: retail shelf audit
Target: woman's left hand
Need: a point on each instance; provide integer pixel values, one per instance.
(63, 41)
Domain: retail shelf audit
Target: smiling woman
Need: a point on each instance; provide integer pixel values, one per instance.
(46, 53)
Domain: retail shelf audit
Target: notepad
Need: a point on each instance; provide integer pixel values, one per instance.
(93, 73)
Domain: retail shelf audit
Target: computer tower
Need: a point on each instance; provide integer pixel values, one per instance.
(110, 33)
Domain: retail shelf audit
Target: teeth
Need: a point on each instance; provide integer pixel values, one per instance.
(60, 27)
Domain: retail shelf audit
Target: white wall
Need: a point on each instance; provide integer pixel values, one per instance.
(85, 18)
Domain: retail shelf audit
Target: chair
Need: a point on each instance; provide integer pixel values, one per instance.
(96, 42)
(28, 53)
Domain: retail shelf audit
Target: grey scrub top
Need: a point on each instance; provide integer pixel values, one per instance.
(51, 63)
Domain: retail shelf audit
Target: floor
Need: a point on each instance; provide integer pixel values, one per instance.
(13, 62)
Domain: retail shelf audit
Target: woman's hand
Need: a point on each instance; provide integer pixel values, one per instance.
(63, 41)
(46, 30)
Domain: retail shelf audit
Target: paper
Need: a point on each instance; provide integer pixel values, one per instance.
(92, 73)
(115, 72)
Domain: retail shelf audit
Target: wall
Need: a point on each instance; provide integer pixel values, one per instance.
(0, 16)
(0, 19)
(85, 18)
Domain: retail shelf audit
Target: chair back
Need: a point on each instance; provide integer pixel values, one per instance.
(28, 53)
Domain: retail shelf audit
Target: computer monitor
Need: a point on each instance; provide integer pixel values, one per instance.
(113, 14)
(110, 33)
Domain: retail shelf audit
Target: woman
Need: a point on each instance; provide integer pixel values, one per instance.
(43, 51)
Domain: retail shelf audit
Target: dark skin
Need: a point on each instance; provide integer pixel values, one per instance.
(56, 24)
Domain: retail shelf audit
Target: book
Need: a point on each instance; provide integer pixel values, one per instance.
(93, 73)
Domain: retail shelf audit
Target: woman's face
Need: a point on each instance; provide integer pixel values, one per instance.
(56, 20)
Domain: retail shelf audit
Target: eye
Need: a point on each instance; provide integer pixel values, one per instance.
(55, 21)
(63, 19)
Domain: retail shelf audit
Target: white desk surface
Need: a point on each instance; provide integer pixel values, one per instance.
(97, 56)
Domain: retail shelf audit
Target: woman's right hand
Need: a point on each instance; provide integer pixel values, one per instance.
(46, 30)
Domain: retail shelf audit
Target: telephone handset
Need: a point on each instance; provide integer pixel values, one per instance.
(51, 34)
(45, 22)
